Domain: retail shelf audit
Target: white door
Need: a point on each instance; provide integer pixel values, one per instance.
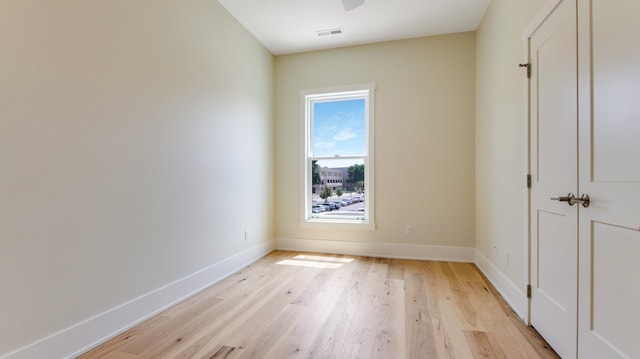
(554, 224)
(609, 148)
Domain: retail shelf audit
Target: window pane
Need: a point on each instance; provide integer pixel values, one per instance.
(338, 188)
(339, 128)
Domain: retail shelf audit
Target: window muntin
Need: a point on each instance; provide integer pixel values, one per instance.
(338, 156)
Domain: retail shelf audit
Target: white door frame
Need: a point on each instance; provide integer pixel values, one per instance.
(528, 32)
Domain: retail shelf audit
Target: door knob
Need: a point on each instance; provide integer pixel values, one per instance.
(584, 199)
(572, 199)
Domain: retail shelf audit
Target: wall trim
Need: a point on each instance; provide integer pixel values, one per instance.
(87, 334)
(512, 294)
(377, 249)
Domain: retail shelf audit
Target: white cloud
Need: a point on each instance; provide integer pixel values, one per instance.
(324, 145)
(345, 135)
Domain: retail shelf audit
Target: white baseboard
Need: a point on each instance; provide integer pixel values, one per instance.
(512, 294)
(374, 249)
(85, 335)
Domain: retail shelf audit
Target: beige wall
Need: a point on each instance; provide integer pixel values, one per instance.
(136, 143)
(500, 135)
(424, 137)
(126, 163)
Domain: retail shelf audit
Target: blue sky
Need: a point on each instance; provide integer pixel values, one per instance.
(339, 128)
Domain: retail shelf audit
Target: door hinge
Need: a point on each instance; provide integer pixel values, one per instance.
(528, 66)
(528, 181)
(529, 291)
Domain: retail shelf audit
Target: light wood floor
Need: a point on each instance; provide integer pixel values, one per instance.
(295, 305)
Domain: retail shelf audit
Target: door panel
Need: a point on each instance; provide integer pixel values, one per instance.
(555, 243)
(609, 147)
(556, 160)
(554, 236)
(616, 90)
(615, 265)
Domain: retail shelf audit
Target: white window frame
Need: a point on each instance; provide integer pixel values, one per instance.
(307, 98)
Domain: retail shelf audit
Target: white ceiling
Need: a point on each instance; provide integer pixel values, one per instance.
(289, 26)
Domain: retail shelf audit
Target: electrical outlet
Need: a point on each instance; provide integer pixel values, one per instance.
(409, 230)
(246, 234)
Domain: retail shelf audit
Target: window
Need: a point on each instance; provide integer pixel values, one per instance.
(338, 156)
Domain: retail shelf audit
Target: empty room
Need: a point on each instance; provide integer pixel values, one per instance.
(319, 179)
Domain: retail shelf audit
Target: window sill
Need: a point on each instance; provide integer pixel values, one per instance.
(337, 224)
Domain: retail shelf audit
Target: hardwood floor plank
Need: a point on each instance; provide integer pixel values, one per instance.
(183, 329)
(174, 330)
(421, 335)
(238, 316)
(262, 314)
(435, 287)
(537, 343)
(331, 340)
(396, 269)
(482, 347)
(328, 297)
(221, 352)
(390, 330)
(266, 339)
(461, 297)
(455, 326)
(119, 355)
(305, 305)
(362, 327)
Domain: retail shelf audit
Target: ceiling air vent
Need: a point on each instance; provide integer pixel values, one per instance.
(328, 32)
